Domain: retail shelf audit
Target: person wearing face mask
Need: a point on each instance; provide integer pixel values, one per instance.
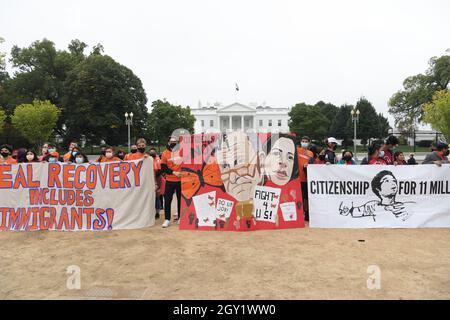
(304, 157)
(80, 158)
(133, 150)
(438, 157)
(67, 156)
(30, 156)
(141, 145)
(320, 159)
(347, 158)
(73, 154)
(389, 145)
(109, 155)
(6, 155)
(330, 156)
(44, 151)
(102, 153)
(376, 154)
(171, 168)
(121, 154)
(53, 155)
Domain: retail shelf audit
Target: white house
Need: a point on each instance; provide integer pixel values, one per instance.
(238, 116)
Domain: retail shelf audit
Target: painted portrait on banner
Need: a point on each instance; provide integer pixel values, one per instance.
(240, 181)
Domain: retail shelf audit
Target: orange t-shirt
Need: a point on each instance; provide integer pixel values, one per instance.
(113, 159)
(133, 156)
(303, 157)
(9, 160)
(173, 162)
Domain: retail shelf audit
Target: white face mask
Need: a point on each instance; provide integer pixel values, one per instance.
(79, 160)
(108, 155)
(304, 145)
(52, 159)
(30, 157)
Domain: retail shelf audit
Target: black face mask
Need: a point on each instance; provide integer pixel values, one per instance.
(347, 158)
(121, 156)
(171, 146)
(322, 157)
(153, 155)
(141, 150)
(5, 154)
(447, 153)
(133, 150)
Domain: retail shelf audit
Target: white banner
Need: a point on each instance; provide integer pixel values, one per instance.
(69, 197)
(379, 196)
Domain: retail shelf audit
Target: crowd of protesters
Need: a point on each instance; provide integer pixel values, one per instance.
(168, 172)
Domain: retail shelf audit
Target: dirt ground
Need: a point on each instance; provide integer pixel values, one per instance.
(158, 263)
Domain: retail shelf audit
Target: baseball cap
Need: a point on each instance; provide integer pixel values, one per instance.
(332, 140)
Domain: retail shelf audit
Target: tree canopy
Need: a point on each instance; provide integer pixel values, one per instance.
(407, 105)
(36, 121)
(437, 113)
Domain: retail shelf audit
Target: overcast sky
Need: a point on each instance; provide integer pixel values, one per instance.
(279, 52)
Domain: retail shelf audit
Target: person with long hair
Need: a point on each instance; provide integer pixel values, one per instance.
(31, 156)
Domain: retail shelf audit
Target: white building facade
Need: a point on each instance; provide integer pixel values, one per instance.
(238, 116)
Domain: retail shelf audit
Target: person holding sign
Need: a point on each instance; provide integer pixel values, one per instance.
(31, 156)
(141, 145)
(439, 156)
(5, 152)
(69, 154)
(171, 167)
(109, 155)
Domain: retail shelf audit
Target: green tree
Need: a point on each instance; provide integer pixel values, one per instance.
(406, 105)
(2, 119)
(165, 118)
(369, 121)
(437, 113)
(98, 92)
(308, 120)
(36, 121)
(329, 110)
(342, 126)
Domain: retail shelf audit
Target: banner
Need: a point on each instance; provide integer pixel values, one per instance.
(60, 196)
(379, 196)
(240, 182)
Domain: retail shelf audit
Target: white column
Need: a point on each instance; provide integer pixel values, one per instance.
(230, 124)
(242, 123)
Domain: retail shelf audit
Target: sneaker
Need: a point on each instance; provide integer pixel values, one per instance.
(166, 223)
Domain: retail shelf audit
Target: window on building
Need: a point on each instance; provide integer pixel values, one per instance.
(211, 123)
(279, 122)
(270, 123)
(260, 123)
(203, 123)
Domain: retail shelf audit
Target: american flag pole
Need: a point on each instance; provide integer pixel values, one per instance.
(236, 92)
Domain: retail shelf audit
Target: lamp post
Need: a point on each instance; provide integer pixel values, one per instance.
(355, 118)
(129, 122)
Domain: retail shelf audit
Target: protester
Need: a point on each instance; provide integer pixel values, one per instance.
(399, 158)
(321, 157)
(376, 154)
(171, 167)
(73, 154)
(412, 160)
(391, 143)
(31, 156)
(159, 179)
(330, 156)
(315, 152)
(433, 146)
(347, 158)
(439, 156)
(109, 155)
(53, 155)
(304, 157)
(140, 147)
(80, 158)
(44, 151)
(121, 154)
(6, 155)
(67, 156)
(21, 155)
(102, 153)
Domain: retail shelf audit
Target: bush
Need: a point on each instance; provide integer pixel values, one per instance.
(424, 143)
